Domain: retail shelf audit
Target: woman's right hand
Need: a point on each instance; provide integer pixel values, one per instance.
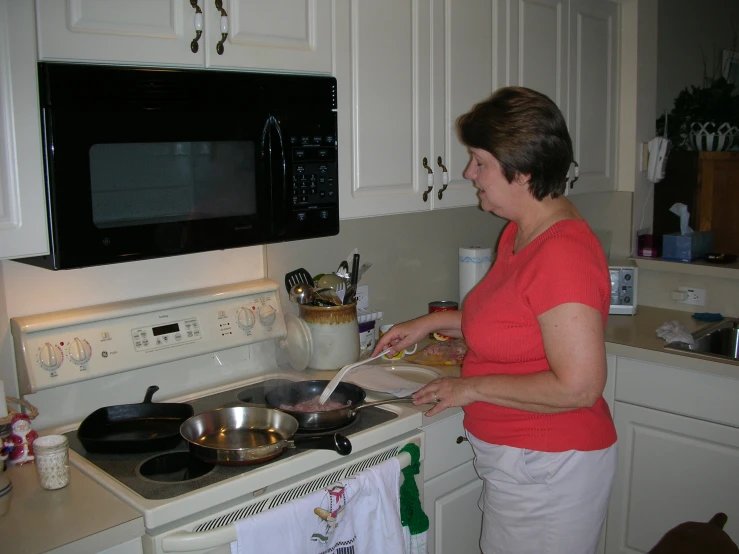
(402, 336)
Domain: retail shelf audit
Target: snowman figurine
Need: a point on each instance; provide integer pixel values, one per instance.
(21, 439)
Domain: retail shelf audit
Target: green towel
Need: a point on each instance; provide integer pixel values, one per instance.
(411, 511)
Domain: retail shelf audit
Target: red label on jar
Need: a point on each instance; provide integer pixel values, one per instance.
(441, 306)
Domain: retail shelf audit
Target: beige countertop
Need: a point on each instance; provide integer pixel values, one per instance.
(80, 518)
(635, 337)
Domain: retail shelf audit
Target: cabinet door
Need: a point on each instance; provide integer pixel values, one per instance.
(468, 65)
(283, 35)
(137, 32)
(593, 92)
(450, 501)
(23, 229)
(537, 50)
(671, 469)
(383, 60)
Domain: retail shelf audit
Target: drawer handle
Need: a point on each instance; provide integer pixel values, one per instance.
(460, 440)
(198, 26)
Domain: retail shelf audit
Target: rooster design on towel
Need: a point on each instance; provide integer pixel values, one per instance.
(331, 512)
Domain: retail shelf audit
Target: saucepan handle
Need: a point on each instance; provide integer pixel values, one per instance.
(378, 402)
(336, 442)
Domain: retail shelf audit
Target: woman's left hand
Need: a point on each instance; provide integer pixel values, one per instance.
(446, 392)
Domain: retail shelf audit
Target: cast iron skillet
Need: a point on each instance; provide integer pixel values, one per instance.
(145, 427)
(351, 396)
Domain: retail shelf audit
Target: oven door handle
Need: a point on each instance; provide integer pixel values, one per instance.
(185, 541)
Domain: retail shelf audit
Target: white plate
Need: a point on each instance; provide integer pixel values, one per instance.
(400, 379)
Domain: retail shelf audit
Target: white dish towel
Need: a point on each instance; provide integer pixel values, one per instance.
(360, 515)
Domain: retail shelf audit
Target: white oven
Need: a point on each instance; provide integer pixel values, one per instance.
(211, 347)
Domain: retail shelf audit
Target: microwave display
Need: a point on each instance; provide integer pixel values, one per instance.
(149, 162)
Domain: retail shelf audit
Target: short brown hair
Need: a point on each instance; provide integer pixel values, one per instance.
(527, 134)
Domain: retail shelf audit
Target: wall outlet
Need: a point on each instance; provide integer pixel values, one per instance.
(696, 297)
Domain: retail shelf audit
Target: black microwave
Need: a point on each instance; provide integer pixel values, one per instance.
(143, 163)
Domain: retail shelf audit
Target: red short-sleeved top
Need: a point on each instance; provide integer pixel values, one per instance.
(564, 264)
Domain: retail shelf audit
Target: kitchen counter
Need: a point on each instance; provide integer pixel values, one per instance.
(635, 337)
(80, 518)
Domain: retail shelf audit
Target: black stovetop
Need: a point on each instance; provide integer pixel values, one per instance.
(167, 474)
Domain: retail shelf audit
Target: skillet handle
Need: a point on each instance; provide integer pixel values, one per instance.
(150, 394)
(336, 442)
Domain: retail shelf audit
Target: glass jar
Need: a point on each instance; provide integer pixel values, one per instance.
(52, 461)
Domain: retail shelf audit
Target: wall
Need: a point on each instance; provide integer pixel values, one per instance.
(414, 256)
(690, 31)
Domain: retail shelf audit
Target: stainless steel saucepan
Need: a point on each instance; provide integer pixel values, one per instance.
(243, 435)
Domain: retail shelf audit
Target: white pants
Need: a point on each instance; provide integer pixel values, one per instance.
(542, 502)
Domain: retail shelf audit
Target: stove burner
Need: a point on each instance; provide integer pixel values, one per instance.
(174, 467)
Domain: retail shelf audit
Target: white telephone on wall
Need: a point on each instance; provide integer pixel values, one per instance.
(659, 149)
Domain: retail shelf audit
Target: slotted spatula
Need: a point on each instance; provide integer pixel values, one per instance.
(299, 275)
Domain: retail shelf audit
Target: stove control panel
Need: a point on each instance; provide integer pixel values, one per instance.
(75, 345)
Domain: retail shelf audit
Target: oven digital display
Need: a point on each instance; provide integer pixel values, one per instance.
(165, 329)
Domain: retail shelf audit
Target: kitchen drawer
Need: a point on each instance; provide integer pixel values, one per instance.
(443, 452)
(679, 391)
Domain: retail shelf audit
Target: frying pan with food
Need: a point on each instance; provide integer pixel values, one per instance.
(283, 397)
(244, 435)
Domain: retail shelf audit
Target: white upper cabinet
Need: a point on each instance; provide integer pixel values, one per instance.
(280, 35)
(593, 92)
(568, 50)
(406, 71)
(384, 99)
(23, 229)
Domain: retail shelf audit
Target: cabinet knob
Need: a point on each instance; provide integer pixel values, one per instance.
(198, 26)
(444, 177)
(224, 27)
(460, 440)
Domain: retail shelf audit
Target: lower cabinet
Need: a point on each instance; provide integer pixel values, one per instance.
(450, 501)
(678, 453)
(451, 490)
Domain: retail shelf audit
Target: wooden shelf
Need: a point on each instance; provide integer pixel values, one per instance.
(721, 271)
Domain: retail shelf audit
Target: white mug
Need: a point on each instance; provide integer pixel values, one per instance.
(407, 352)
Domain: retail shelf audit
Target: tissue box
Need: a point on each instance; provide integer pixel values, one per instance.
(686, 248)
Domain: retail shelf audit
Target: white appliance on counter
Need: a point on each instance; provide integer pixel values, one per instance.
(211, 348)
(624, 287)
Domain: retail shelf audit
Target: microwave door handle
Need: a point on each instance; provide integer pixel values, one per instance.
(277, 171)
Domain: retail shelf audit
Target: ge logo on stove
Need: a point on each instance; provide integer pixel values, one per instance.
(104, 353)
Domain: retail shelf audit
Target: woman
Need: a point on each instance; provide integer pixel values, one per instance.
(532, 381)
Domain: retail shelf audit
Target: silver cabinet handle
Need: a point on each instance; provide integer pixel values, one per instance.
(444, 177)
(224, 27)
(430, 181)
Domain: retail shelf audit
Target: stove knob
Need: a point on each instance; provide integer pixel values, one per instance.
(245, 319)
(79, 350)
(267, 315)
(50, 356)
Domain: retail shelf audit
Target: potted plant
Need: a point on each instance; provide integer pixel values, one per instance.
(704, 118)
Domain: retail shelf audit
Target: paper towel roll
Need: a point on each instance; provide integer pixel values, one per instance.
(474, 262)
